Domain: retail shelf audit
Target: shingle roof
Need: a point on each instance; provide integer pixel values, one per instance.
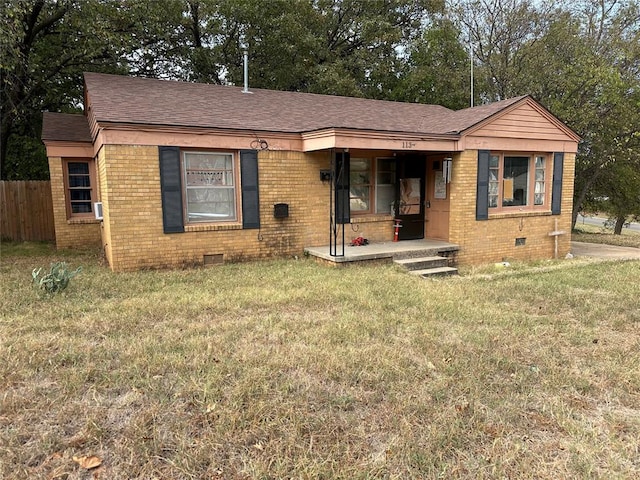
(122, 99)
(65, 127)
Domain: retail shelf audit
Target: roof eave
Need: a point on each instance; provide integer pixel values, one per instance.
(108, 124)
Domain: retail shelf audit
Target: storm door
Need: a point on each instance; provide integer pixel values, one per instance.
(410, 197)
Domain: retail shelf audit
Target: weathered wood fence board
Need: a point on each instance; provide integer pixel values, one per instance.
(26, 211)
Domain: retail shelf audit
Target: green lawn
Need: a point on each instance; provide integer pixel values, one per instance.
(290, 369)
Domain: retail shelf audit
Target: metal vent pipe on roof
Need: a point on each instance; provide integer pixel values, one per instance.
(246, 68)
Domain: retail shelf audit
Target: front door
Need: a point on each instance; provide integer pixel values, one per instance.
(410, 197)
(437, 204)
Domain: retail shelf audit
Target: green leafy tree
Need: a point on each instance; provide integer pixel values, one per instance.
(579, 59)
(45, 47)
(345, 47)
(437, 70)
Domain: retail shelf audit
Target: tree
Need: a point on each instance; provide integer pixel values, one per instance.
(345, 47)
(502, 32)
(437, 70)
(580, 60)
(46, 46)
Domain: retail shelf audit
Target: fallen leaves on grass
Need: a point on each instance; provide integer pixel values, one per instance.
(88, 462)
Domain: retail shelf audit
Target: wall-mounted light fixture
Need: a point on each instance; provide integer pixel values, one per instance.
(325, 175)
(446, 169)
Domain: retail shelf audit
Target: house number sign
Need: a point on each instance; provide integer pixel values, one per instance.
(408, 144)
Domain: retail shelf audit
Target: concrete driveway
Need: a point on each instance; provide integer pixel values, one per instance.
(597, 250)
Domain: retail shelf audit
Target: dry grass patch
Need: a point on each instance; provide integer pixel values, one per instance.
(288, 369)
(593, 234)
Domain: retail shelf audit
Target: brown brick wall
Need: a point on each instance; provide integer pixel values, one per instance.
(133, 235)
(493, 240)
(70, 233)
(103, 182)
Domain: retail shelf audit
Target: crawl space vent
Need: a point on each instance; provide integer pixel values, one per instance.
(214, 259)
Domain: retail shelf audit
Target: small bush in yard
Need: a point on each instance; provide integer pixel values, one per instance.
(56, 280)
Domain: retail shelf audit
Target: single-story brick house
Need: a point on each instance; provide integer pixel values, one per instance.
(191, 174)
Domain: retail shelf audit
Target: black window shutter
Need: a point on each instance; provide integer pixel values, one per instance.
(482, 199)
(556, 190)
(250, 197)
(171, 189)
(342, 189)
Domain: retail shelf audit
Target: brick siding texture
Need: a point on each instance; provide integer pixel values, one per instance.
(493, 240)
(133, 236)
(70, 233)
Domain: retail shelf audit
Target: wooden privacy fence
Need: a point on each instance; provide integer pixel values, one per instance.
(26, 211)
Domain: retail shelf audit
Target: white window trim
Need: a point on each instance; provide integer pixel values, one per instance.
(531, 182)
(235, 218)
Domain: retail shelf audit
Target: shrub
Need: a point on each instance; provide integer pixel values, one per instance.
(56, 280)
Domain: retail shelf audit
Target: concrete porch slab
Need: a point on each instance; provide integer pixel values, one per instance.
(382, 250)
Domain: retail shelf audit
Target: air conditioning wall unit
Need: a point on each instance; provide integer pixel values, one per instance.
(97, 208)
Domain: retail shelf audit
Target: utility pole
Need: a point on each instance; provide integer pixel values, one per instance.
(471, 62)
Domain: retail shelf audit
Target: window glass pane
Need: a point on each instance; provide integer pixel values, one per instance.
(77, 168)
(385, 197)
(386, 165)
(494, 173)
(79, 181)
(360, 188)
(210, 180)
(386, 178)
(209, 161)
(80, 195)
(539, 191)
(385, 185)
(359, 178)
(210, 204)
(359, 164)
(81, 207)
(359, 198)
(515, 181)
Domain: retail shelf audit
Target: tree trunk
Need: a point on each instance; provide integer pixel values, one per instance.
(620, 221)
(4, 138)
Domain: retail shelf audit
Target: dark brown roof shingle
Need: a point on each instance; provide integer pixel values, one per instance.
(122, 99)
(65, 127)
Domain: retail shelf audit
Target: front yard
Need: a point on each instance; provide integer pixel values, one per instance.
(289, 369)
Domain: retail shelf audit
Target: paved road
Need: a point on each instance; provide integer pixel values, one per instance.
(599, 222)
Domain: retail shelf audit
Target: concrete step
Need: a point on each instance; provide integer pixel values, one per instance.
(438, 271)
(420, 263)
(427, 252)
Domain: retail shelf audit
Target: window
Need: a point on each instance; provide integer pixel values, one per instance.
(79, 182)
(372, 185)
(517, 181)
(385, 185)
(360, 185)
(540, 187)
(210, 187)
